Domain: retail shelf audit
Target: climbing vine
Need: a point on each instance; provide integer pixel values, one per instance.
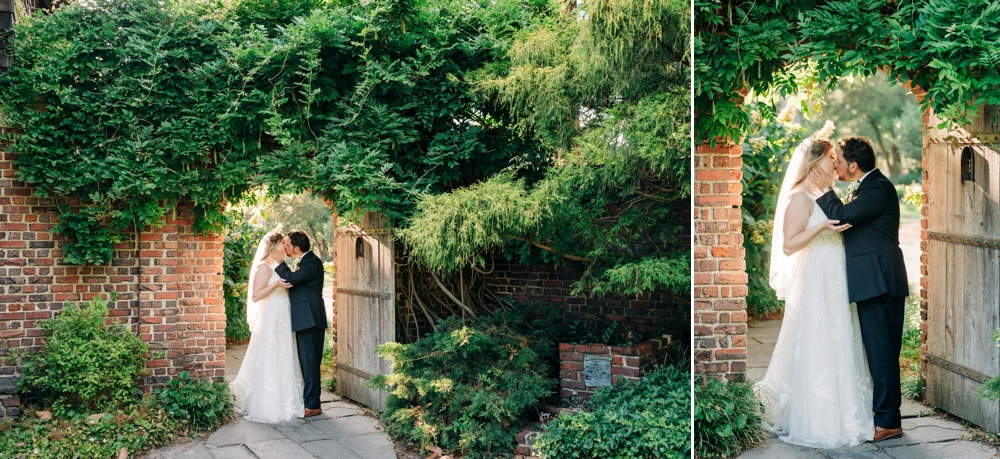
(132, 107)
(948, 48)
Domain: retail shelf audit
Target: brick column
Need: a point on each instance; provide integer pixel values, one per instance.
(720, 279)
(181, 308)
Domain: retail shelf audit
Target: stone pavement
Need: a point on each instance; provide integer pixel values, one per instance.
(341, 432)
(925, 436)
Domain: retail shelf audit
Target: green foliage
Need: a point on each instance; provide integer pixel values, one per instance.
(463, 388)
(237, 259)
(607, 93)
(727, 418)
(881, 111)
(135, 106)
(991, 390)
(328, 368)
(945, 47)
(768, 148)
(911, 382)
(308, 213)
(137, 429)
(200, 404)
(84, 364)
(630, 420)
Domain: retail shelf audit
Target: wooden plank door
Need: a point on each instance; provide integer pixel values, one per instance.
(363, 301)
(963, 278)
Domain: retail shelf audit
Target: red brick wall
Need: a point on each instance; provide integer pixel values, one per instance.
(627, 363)
(169, 291)
(719, 271)
(650, 313)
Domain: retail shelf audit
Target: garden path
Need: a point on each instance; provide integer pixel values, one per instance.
(925, 435)
(341, 432)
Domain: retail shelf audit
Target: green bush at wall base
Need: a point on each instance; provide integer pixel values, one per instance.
(202, 404)
(727, 418)
(463, 388)
(632, 420)
(84, 365)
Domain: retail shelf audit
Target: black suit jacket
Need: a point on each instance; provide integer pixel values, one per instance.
(874, 261)
(306, 293)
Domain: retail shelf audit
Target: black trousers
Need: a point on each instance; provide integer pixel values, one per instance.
(882, 332)
(310, 346)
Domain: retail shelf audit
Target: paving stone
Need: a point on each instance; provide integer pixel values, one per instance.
(777, 449)
(962, 449)
(243, 431)
(863, 451)
(336, 410)
(347, 427)
(371, 446)
(330, 449)
(912, 409)
(187, 450)
(851, 449)
(300, 431)
(926, 430)
(279, 449)
(230, 452)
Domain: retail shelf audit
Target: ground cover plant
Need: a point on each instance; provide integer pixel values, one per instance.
(630, 420)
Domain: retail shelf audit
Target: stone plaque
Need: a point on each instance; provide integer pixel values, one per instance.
(596, 370)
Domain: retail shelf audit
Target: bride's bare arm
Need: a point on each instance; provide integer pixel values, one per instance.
(797, 236)
(261, 289)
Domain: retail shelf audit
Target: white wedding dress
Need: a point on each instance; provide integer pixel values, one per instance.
(817, 391)
(268, 387)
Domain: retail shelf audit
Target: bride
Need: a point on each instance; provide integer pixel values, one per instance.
(817, 391)
(268, 387)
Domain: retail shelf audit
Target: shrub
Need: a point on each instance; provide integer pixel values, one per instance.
(463, 388)
(911, 382)
(631, 420)
(238, 252)
(203, 405)
(84, 364)
(137, 429)
(727, 418)
(991, 390)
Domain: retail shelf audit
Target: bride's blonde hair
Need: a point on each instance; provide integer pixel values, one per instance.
(270, 241)
(817, 151)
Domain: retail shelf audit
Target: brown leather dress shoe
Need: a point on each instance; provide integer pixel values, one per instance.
(887, 434)
(311, 412)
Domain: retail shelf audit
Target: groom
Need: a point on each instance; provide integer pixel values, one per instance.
(308, 313)
(876, 275)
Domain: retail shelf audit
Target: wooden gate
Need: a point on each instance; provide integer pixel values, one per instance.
(962, 253)
(363, 301)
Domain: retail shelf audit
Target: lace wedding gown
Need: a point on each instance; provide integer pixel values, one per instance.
(268, 387)
(817, 391)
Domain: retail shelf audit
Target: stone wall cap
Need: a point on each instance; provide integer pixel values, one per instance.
(8, 385)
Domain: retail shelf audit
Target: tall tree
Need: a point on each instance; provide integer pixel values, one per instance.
(604, 87)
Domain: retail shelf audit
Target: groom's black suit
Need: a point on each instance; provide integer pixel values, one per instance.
(876, 281)
(308, 320)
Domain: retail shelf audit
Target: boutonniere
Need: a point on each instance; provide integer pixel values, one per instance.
(295, 263)
(852, 189)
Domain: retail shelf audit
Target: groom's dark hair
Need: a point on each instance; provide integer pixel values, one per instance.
(299, 239)
(858, 150)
